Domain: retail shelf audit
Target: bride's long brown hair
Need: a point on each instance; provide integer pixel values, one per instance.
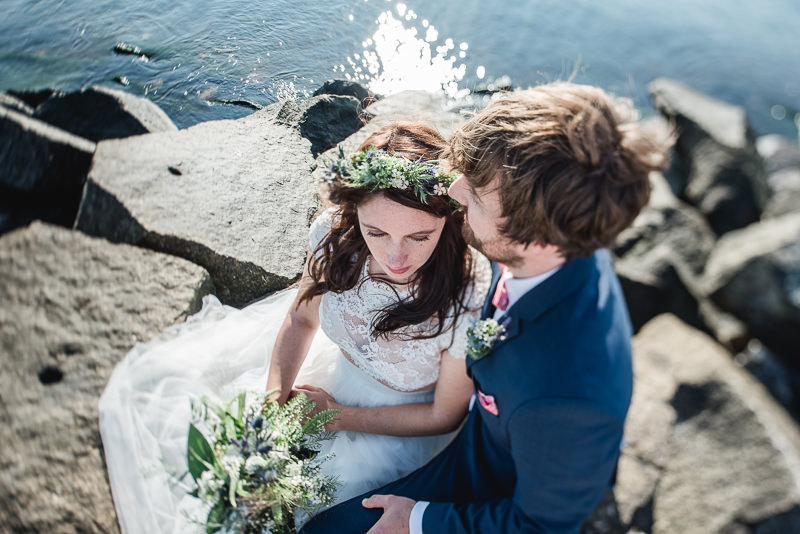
(440, 285)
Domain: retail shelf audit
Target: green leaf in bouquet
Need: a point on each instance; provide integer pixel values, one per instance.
(277, 513)
(199, 454)
(218, 410)
(234, 483)
(241, 491)
(216, 516)
(316, 423)
(230, 427)
(240, 413)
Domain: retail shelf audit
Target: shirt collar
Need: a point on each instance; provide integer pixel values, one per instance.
(517, 287)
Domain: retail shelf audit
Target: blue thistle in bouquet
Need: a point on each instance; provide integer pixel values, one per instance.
(257, 465)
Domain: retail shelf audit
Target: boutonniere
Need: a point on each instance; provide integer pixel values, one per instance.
(482, 336)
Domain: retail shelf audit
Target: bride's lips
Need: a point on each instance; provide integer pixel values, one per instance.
(398, 271)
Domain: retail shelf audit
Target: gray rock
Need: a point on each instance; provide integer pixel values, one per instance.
(778, 152)
(783, 383)
(37, 157)
(668, 221)
(98, 113)
(715, 150)
(754, 274)
(32, 98)
(347, 88)
(782, 163)
(429, 108)
(324, 120)
(727, 329)
(653, 285)
(42, 171)
(708, 450)
(661, 257)
(72, 307)
(785, 187)
(14, 103)
(234, 196)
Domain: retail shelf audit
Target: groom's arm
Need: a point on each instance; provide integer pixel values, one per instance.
(564, 453)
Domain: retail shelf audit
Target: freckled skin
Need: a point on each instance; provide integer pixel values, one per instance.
(400, 239)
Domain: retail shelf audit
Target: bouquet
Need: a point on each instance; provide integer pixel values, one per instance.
(258, 466)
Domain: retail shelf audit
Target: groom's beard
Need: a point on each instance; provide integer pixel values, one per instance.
(493, 249)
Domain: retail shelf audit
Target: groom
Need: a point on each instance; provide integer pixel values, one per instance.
(551, 176)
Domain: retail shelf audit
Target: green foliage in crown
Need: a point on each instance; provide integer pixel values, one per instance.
(374, 169)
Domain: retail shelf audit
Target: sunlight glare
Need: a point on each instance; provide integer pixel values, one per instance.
(397, 59)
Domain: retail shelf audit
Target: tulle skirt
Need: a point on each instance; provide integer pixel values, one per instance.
(145, 411)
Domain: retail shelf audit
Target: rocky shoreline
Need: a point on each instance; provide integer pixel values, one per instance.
(138, 220)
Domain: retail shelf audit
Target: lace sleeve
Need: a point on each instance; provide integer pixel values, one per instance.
(320, 227)
(481, 280)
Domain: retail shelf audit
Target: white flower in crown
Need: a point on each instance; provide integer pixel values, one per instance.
(398, 182)
(482, 336)
(440, 189)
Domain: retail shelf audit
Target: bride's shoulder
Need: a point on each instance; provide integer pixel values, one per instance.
(481, 276)
(481, 267)
(321, 225)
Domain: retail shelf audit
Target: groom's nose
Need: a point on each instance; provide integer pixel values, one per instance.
(457, 189)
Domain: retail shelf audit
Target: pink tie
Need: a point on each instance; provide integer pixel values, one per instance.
(500, 299)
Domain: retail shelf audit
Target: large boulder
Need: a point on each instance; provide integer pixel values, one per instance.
(12, 102)
(420, 106)
(42, 171)
(753, 274)
(32, 97)
(324, 120)
(660, 261)
(707, 448)
(430, 108)
(72, 307)
(98, 113)
(724, 175)
(235, 196)
(782, 381)
(38, 158)
(782, 162)
(347, 88)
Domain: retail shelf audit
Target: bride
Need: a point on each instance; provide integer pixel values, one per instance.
(392, 284)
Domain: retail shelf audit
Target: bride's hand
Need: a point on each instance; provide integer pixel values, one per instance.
(322, 400)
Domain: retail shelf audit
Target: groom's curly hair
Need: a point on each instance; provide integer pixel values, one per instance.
(440, 286)
(569, 162)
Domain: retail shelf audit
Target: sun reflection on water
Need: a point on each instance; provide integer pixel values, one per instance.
(397, 58)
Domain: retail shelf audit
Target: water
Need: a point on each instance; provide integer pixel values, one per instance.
(205, 55)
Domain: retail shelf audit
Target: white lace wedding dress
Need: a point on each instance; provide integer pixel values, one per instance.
(220, 351)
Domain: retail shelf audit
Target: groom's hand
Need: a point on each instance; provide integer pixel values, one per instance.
(396, 512)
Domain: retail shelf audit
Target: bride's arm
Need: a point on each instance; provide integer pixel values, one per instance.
(445, 413)
(293, 341)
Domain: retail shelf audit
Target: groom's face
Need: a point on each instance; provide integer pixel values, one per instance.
(483, 211)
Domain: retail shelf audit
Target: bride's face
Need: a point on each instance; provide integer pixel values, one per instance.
(400, 239)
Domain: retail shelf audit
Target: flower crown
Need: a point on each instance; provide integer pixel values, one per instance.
(374, 169)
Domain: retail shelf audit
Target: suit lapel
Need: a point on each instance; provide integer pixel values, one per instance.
(569, 278)
(488, 307)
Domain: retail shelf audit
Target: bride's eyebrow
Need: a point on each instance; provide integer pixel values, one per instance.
(375, 228)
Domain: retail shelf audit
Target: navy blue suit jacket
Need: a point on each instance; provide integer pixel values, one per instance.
(561, 380)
